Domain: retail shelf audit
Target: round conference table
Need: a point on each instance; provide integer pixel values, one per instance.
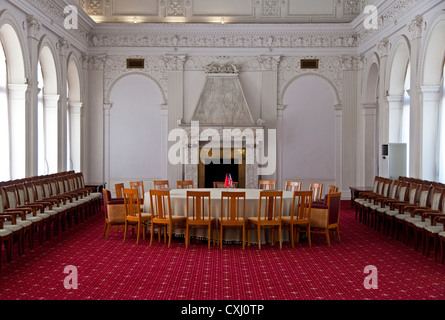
(178, 198)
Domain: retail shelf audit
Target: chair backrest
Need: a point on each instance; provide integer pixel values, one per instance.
(403, 191)
(221, 184)
(107, 197)
(317, 190)
(293, 186)
(11, 196)
(270, 204)
(386, 187)
(301, 205)
(267, 185)
(413, 192)
(160, 204)
(230, 205)
(199, 206)
(375, 184)
(187, 184)
(334, 202)
(425, 193)
(333, 189)
(132, 203)
(436, 199)
(161, 184)
(139, 186)
(119, 188)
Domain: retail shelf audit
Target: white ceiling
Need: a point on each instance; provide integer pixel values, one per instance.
(223, 11)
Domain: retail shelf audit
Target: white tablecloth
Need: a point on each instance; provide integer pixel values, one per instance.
(179, 207)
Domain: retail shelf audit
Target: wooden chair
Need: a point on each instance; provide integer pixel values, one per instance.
(5, 238)
(199, 215)
(293, 186)
(317, 191)
(18, 230)
(221, 184)
(161, 184)
(162, 216)
(325, 218)
(233, 214)
(139, 186)
(267, 185)
(114, 213)
(300, 215)
(269, 216)
(333, 189)
(119, 188)
(188, 184)
(133, 215)
(442, 242)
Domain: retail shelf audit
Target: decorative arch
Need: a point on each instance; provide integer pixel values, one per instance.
(110, 89)
(74, 79)
(399, 60)
(331, 84)
(50, 66)
(370, 86)
(434, 53)
(15, 48)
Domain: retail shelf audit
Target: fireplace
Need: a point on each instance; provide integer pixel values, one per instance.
(223, 114)
(215, 167)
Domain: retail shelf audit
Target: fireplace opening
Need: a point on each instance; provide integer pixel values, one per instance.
(215, 167)
(217, 172)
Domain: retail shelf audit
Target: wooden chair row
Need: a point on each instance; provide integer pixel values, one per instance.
(409, 209)
(37, 205)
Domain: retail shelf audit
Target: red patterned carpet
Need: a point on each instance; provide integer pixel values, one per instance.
(113, 270)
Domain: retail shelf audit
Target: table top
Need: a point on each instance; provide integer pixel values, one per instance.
(215, 193)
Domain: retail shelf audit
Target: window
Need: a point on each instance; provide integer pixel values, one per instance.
(42, 165)
(405, 127)
(441, 153)
(5, 173)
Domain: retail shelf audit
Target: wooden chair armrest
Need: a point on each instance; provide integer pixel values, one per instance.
(440, 219)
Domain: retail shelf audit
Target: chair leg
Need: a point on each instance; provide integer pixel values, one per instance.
(327, 237)
(170, 235)
(139, 232)
(259, 237)
(151, 233)
(125, 231)
(291, 231)
(244, 237)
(279, 235)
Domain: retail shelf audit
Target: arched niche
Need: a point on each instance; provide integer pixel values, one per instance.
(309, 130)
(137, 135)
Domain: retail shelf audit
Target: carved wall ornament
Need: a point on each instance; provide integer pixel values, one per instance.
(214, 68)
(175, 8)
(271, 8)
(416, 27)
(33, 25)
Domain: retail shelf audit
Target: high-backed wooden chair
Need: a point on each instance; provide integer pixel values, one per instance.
(325, 218)
(300, 215)
(221, 184)
(267, 185)
(199, 215)
(139, 186)
(233, 213)
(133, 215)
(114, 213)
(187, 184)
(161, 184)
(6, 239)
(269, 215)
(162, 215)
(119, 190)
(317, 191)
(293, 186)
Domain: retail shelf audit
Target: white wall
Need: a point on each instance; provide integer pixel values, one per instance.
(136, 130)
(309, 131)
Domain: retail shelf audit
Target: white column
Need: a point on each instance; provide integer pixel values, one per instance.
(383, 108)
(394, 119)
(280, 127)
(107, 132)
(430, 102)
(75, 110)
(339, 147)
(18, 129)
(370, 113)
(50, 120)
